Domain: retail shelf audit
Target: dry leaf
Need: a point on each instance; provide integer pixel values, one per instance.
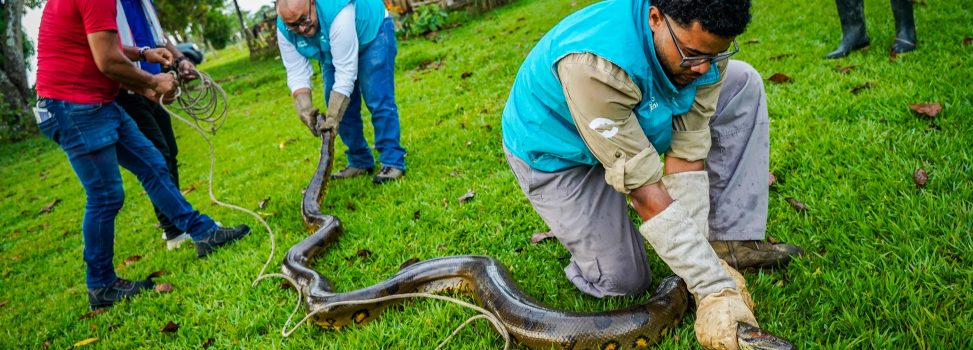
(191, 188)
(93, 327)
(207, 343)
(929, 110)
(4, 303)
(466, 75)
(752, 41)
(92, 314)
(46, 345)
(541, 236)
(780, 56)
(262, 203)
(408, 263)
(132, 259)
(85, 342)
(47, 207)
(454, 173)
(845, 69)
(162, 272)
(772, 240)
(363, 253)
(967, 41)
(779, 78)
(921, 177)
(170, 328)
(469, 195)
(859, 88)
(163, 287)
(800, 207)
(771, 179)
(415, 216)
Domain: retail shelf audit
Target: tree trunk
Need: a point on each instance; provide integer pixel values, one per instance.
(13, 81)
(243, 27)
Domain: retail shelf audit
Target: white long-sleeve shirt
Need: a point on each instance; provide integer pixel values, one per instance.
(344, 55)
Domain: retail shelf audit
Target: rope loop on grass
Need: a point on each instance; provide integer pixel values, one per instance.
(201, 103)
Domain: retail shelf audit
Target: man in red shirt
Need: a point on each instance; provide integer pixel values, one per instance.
(80, 67)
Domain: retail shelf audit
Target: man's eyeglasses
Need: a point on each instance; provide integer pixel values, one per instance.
(698, 60)
(304, 21)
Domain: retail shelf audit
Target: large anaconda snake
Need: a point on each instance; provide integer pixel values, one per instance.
(529, 322)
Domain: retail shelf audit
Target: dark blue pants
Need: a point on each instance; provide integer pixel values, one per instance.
(376, 83)
(97, 138)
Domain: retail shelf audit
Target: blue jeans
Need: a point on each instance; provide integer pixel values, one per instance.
(97, 139)
(376, 83)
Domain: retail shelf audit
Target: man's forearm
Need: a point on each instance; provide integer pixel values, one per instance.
(123, 71)
(131, 53)
(650, 200)
(675, 165)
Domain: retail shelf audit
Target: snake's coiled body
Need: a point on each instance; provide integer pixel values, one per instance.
(529, 322)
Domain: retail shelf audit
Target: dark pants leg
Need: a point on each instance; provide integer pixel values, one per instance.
(156, 125)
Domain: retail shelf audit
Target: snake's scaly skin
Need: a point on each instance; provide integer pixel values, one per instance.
(529, 322)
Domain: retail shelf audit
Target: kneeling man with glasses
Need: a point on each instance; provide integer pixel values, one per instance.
(601, 97)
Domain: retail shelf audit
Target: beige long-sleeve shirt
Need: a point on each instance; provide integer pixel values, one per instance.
(601, 98)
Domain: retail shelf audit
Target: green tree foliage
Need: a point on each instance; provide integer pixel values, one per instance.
(218, 28)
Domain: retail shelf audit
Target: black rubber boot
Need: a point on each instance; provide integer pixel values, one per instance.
(853, 34)
(905, 26)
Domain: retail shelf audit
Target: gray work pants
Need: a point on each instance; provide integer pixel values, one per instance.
(591, 221)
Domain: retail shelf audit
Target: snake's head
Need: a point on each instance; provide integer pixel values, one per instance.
(756, 338)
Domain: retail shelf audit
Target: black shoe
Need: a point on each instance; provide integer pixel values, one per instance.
(387, 174)
(220, 237)
(350, 172)
(122, 289)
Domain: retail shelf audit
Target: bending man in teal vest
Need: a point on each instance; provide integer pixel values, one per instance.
(597, 101)
(354, 41)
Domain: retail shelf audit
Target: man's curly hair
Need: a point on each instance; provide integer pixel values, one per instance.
(726, 18)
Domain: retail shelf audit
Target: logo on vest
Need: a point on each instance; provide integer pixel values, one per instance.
(604, 126)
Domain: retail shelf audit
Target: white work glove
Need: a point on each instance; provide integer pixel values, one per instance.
(337, 106)
(692, 189)
(720, 304)
(307, 112)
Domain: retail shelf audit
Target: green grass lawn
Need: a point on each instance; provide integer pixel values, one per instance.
(889, 265)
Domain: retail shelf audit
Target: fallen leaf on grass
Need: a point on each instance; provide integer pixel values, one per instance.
(4, 303)
(845, 69)
(94, 327)
(469, 195)
(162, 272)
(455, 173)
(163, 288)
(363, 253)
(189, 189)
(934, 127)
(541, 236)
(285, 285)
(207, 343)
(49, 206)
(772, 240)
(262, 203)
(416, 215)
(132, 259)
(780, 78)
(170, 328)
(921, 177)
(928, 110)
(771, 179)
(752, 41)
(967, 41)
(408, 263)
(91, 314)
(113, 327)
(797, 205)
(780, 56)
(466, 75)
(859, 88)
(85, 342)
(46, 345)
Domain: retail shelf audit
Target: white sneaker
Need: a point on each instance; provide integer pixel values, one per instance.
(172, 244)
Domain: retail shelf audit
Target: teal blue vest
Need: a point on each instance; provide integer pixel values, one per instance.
(369, 15)
(537, 126)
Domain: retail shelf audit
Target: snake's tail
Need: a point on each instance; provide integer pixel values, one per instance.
(755, 338)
